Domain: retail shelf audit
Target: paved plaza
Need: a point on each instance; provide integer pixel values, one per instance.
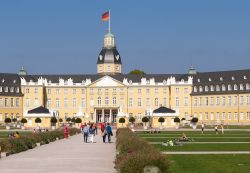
(67, 156)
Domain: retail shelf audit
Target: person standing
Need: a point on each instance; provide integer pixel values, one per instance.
(103, 133)
(216, 129)
(109, 132)
(66, 132)
(85, 133)
(202, 127)
(222, 129)
(91, 133)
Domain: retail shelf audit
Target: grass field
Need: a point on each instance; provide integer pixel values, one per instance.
(207, 163)
(4, 134)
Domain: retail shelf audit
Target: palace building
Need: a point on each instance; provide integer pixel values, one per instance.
(213, 97)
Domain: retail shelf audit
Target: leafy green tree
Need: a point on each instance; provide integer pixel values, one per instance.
(137, 72)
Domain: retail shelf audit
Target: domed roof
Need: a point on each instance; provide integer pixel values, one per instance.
(109, 55)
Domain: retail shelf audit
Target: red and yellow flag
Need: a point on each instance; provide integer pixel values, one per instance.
(105, 16)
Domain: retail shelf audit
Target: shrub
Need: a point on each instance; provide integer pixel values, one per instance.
(183, 119)
(53, 121)
(73, 120)
(134, 154)
(23, 121)
(68, 119)
(78, 121)
(132, 120)
(14, 120)
(161, 120)
(145, 120)
(38, 120)
(7, 120)
(194, 120)
(60, 120)
(122, 120)
(177, 120)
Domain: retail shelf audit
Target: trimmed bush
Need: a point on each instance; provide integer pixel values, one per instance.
(73, 120)
(131, 120)
(60, 120)
(122, 120)
(23, 121)
(68, 119)
(53, 121)
(177, 120)
(7, 120)
(25, 142)
(145, 120)
(183, 119)
(78, 121)
(161, 120)
(194, 120)
(134, 154)
(38, 120)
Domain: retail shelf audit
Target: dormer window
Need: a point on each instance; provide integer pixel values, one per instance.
(12, 89)
(14, 81)
(221, 78)
(241, 87)
(200, 89)
(206, 88)
(229, 87)
(209, 79)
(211, 88)
(17, 89)
(1, 89)
(164, 82)
(65, 82)
(247, 86)
(198, 80)
(130, 82)
(217, 88)
(83, 82)
(235, 87)
(3, 80)
(6, 89)
(245, 77)
(195, 89)
(223, 87)
(233, 78)
(148, 82)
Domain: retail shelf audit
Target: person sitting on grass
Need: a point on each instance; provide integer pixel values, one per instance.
(17, 135)
(183, 137)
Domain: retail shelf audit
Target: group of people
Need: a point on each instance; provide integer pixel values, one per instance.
(14, 135)
(216, 128)
(89, 130)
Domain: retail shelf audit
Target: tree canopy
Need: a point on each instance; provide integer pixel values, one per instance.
(136, 71)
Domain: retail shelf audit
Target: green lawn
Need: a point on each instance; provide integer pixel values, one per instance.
(4, 134)
(209, 163)
(203, 139)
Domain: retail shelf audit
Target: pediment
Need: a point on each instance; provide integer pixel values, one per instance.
(107, 81)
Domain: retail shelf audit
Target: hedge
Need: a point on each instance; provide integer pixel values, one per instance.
(16, 145)
(134, 154)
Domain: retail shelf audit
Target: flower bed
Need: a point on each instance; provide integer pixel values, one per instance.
(29, 141)
(134, 154)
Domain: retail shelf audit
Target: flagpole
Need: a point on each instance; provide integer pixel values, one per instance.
(109, 20)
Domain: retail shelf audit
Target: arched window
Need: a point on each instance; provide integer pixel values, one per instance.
(211, 88)
(206, 88)
(229, 87)
(200, 89)
(99, 101)
(195, 89)
(241, 87)
(235, 87)
(217, 88)
(247, 86)
(223, 87)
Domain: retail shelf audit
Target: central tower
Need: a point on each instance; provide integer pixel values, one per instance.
(109, 60)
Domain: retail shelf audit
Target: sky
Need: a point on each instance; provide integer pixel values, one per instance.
(157, 36)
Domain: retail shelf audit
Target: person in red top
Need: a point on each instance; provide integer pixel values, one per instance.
(66, 132)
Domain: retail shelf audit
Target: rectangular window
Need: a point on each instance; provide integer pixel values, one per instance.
(49, 103)
(156, 102)
(148, 102)
(49, 91)
(114, 101)
(83, 91)
(57, 103)
(223, 116)
(241, 100)
(156, 90)
(57, 91)
(206, 115)
(177, 102)
(217, 101)
(217, 116)
(106, 101)
(242, 116)
(200, 101)
(74, 91)
(36, 90)
(235, 116)
(186, 90)
(185, 101)
(165, 101)
(211, 101)
(139, 91)
(11, 102)
(83, 103)
(1, 102)
(139, 102)
(27, 90)
(36, 102)
(235, 100)
(195, 101)
(206, 101)
(229, 100)
(17, 102)
(74, 103)
(65, 91)
(248, 115)
(229, 116)
(223, 101)
(248, 100)
(212, 116)
(201, 118)
(27, 102)
(177, 90)
(130, 104)
(65, 103)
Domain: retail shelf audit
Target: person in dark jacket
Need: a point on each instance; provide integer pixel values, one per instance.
(109, 132)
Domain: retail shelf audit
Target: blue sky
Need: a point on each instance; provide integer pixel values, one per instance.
(63, 36)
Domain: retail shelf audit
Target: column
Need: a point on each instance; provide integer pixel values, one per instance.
(95, 118)
(110, 115)
(102, 115)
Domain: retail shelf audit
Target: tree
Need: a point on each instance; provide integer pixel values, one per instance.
(122, 120)
(7, 120)
(68, 119)
(131, 120)
(145, 120)
(177, 120)
(53, 121)
(14, 120)
(23, 121)
(194, 120)
(60, 120)
(73, 120)
(78, 121)
(161, 120)
(38, 120)
(137, 72)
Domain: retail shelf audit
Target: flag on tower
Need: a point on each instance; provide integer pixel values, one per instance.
(105, 16)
